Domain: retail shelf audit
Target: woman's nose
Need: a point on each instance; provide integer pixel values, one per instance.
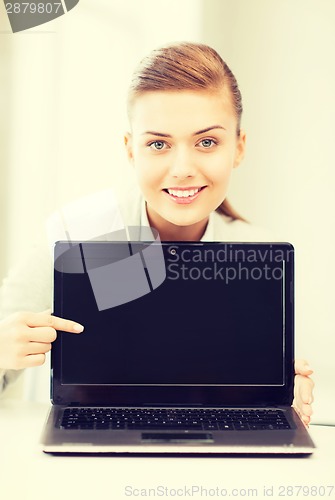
(182, 164)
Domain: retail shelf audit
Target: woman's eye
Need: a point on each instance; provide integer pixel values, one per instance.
(157, 145)
(207, 143)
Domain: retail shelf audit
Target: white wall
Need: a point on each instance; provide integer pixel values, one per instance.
(5, 58)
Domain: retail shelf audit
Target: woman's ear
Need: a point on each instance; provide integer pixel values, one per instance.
(129, 147)
(240, 148)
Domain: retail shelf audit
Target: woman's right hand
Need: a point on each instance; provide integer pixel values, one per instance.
(26, 337)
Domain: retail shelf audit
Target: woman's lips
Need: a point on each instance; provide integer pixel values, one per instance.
(184, 196)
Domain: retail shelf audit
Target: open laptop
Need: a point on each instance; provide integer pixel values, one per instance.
(188, 347)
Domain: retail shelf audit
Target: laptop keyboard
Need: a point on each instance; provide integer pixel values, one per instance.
(174, 419)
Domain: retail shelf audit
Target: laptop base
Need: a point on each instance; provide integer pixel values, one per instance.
(294, 441)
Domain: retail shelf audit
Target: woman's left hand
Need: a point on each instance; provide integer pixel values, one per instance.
(303, 390)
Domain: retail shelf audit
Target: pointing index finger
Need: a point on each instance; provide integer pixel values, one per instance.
(66, 325)
(45, 319)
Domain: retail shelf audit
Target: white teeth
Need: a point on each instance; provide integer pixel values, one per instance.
(183, 193)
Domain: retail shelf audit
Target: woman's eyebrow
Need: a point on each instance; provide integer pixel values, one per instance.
(208, 129)
(160, 134)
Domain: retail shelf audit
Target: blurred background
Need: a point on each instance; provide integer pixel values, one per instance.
(62, 120)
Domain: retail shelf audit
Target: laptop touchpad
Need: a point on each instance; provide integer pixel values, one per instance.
(176, 437)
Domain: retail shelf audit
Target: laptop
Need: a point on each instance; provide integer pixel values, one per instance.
(188, 347)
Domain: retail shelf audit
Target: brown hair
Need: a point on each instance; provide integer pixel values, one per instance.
(187, 66)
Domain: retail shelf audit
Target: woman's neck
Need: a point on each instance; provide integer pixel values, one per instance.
(171, 232)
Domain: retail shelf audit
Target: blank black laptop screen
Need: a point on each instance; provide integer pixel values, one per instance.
(216, 319)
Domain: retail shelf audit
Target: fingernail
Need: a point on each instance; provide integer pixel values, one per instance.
(78, 328)
(307, 368)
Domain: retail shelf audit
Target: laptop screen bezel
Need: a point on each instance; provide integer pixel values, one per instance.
(137, 396)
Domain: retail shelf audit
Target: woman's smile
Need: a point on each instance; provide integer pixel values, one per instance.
(185, 195)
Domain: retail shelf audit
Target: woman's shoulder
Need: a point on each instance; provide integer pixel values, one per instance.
(130, 203)
(224, 228)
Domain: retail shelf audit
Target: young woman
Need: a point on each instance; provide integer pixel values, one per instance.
(185, 139)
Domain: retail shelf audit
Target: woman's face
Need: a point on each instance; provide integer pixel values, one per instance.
(183, 146)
